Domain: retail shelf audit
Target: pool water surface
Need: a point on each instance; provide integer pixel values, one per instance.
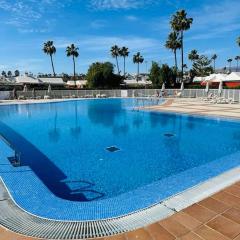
(94, 150)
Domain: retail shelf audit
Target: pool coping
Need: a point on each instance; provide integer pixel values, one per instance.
(35, 226)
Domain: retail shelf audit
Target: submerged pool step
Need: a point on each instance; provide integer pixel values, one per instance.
(15, 219)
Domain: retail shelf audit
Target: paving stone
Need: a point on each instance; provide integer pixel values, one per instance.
(209, 234)
(174, 227)
(200, 213)
(214, 205)
(233, 214)
(225, 226)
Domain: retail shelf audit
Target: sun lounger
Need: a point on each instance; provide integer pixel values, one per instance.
(21, 97)
(46, 97)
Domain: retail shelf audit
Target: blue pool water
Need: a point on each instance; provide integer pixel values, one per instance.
(65, 145)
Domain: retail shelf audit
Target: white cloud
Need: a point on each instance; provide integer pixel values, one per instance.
(132, 18)
(97, 24)
(116, 5)
(103, 43)
(215, 20)
(22, 14)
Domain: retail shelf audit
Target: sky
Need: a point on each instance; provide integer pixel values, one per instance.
(96, 25)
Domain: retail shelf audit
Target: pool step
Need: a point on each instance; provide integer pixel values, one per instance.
(15, 219)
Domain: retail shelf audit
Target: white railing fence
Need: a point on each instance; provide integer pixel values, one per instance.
(59, 94)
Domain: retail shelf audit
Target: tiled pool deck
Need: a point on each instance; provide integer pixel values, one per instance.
(217, 217)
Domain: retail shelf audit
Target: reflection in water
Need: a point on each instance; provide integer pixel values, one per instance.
(54, 133)
(76, 130)
(104, 113)
(157, 119)
(190, 122)
(110, 115)
(138, 119)
(120, 129)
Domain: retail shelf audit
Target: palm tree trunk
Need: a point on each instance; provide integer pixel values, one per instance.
(74, 69)
(54, 74)
(117, 65)
(175, 57)
(237, 65)
(124, 65)
(214, 64)
(182, 52)
(137, 71)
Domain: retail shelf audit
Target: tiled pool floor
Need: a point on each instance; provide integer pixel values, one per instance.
(215, 218)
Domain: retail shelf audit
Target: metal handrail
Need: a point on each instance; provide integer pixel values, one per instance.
(17, 154)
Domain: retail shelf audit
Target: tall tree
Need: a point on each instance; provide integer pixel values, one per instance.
(193, 55)
(238, 41)
(16, 73)
(201, 67)
(230, 63)
(214, 58)
(9, 74)
(124, 52)
(180, 23)
(4, 74)
(72, 51)
(237, 58)
(138, 59)
(115, 52)
(50, 49)
(173, 42)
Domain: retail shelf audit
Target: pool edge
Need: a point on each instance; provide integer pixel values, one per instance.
(111, 226)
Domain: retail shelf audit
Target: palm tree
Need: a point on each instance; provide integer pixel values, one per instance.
(124, 53)
(230, 63)
(50, 49)
(237, 58)
(174, 44)
(181, 23)
(115, 52)
(238, 41)
(4, 74)
(193, 55)
(214, 57)
(72, 51)
(137, 59)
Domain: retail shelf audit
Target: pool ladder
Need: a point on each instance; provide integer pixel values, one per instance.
(16, 159)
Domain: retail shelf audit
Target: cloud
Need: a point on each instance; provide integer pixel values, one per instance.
(25, 64)
(97, 24)
(119, 5)
(103, 43)
(214, 21)
(132, 18)
(28, 16)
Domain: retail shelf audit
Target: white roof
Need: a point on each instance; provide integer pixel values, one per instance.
(57, 80)
(199, 79)
(219, 77)
(27, 79)
(129, 82)
(71, 83)
(234, 76)
(81, 82)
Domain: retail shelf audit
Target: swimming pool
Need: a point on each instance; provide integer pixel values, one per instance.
(94, 159)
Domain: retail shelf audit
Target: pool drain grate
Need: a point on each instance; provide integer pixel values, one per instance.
(112, 149)
(169, 135)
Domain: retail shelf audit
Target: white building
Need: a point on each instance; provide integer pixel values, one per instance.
(52, 80)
